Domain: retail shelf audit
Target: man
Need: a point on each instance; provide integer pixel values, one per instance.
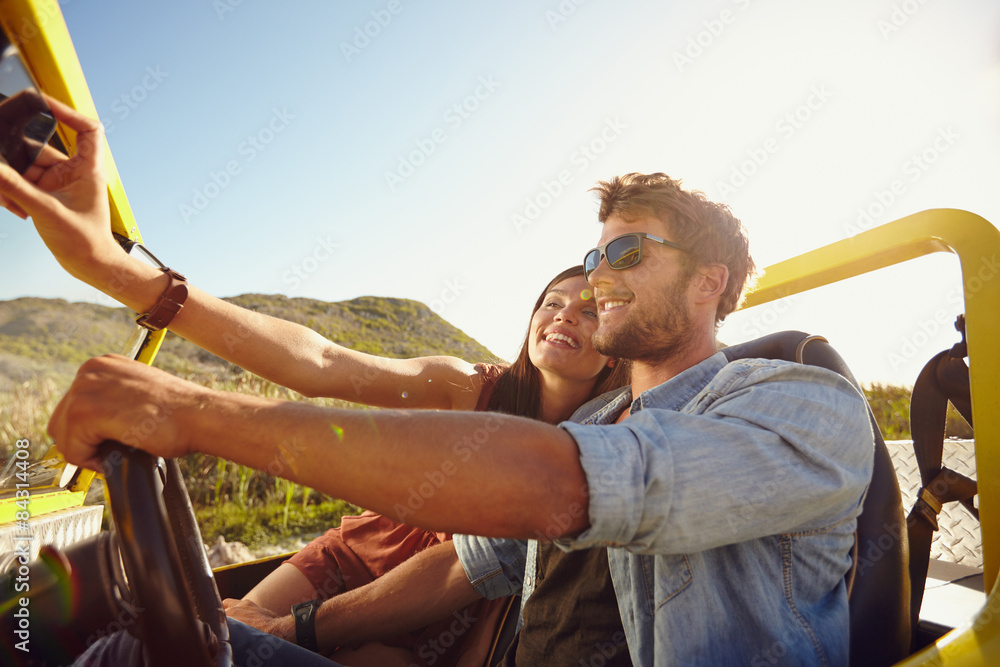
(728, 508)
(726, 494)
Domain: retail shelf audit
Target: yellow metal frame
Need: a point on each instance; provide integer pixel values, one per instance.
(977, 244)
(38, 30)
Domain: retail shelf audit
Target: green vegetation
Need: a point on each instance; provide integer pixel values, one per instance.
(891, 407)
(263, 525)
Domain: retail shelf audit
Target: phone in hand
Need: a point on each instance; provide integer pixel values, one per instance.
(26, 122)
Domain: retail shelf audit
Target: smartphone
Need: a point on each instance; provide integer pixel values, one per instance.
(26, 122)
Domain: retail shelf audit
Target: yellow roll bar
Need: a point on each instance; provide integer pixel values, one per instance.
(977, 244)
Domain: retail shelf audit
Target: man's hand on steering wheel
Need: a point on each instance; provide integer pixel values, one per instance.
(115, 398)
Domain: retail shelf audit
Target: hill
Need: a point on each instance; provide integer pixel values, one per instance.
(50, 338)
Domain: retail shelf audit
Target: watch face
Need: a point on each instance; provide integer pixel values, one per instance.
(305, 624)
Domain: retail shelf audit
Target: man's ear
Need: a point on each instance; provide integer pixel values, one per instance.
(710, 281)
(612, 362)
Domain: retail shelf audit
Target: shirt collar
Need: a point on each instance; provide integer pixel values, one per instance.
(673, 394)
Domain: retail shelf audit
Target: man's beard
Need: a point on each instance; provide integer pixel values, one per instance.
(654, 338)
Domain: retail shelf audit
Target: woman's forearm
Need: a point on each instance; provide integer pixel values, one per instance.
(287, 353)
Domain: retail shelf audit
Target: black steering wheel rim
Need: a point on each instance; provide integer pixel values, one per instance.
(164, 561)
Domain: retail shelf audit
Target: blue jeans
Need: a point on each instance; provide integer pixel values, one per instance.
(251, 648)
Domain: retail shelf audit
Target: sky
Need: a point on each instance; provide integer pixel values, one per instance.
(444, 151)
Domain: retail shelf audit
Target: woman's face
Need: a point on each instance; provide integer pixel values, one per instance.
(561, 329)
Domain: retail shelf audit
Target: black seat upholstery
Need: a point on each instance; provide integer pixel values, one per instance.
(879, 584)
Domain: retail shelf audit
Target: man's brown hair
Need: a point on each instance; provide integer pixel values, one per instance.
(709, 232)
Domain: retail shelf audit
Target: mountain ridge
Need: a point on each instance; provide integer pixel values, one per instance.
(46, 337)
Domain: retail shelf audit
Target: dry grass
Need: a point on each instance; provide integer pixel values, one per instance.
(24, 413)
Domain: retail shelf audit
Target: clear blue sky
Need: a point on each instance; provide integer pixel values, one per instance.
(443, 151)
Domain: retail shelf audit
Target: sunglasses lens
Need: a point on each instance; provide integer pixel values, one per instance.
(591, 261)
(624, 252)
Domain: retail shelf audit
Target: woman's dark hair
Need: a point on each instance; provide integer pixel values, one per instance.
(518, 389)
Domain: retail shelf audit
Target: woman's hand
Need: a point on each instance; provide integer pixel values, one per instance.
(67, 198)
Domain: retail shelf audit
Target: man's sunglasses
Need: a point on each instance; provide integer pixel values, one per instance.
(621, 252)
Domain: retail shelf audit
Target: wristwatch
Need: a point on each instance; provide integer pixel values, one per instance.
(304, 614)
(168, 305)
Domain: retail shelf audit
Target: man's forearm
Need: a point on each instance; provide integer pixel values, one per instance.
(477, 473)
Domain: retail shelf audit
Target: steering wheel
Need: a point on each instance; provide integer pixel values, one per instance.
(180, 616)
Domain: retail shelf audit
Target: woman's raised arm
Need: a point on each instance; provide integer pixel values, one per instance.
(67, 201)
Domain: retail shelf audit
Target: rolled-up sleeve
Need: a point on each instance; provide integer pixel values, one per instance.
(495, 566)
(764, 449)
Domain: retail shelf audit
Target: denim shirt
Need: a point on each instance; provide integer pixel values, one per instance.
(728, 501)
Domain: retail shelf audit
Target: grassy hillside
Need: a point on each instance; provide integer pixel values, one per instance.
(50, 338)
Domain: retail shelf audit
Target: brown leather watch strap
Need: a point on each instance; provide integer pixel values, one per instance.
(170, 303)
